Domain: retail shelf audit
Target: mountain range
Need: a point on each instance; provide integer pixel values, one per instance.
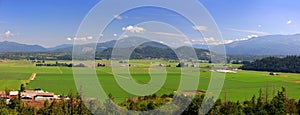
(264, 45)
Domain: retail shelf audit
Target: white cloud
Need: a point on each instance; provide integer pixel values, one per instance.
(133, 29)
(90, 37)
(8, 34)
(252, 36)
(115, 35)
(246, 38)
(213, 41)
(69, 39)
(80, 38)
(289, 22)
(118, 17)
(200, 28)
(259, 26)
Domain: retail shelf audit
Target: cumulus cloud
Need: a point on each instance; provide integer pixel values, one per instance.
(213, 41)
(69, 39)
(8, 34)
(200, 28)
(252, 36)
(289, 22)
(246, 38)
(80, 38)
(133, 29)
(115, 35)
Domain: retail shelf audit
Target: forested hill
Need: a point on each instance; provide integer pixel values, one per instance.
(275, 64)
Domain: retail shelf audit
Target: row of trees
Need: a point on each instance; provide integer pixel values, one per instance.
(279, 105)
(275, 64)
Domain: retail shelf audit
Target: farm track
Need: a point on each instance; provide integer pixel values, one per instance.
(32, 77)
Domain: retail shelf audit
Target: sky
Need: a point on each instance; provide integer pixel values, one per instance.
(53, 22)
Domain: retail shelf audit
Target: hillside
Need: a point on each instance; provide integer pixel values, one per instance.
(7, 46)
(143, 52)
(266, 45)
(275, 64)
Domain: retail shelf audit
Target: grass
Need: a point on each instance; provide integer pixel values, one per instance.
(14, 73)
(240, 86)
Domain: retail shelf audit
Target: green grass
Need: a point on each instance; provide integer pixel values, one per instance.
(240, 86)
(14, 73)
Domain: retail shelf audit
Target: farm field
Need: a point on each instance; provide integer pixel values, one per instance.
(14, 73)
(240, 86)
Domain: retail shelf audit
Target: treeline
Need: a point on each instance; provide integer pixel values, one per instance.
(36, 56)
(280, 104)
(275, 64)
(147, 52)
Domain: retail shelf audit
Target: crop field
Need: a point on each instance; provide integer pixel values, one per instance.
(14, 73)
(237, 86)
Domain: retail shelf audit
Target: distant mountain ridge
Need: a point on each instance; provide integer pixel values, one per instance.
(264, 45)
(7, 46)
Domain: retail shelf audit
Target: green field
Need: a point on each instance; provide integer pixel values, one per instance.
(240, 86)
(14, 73)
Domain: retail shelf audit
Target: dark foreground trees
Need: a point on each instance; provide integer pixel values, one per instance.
(280, 104)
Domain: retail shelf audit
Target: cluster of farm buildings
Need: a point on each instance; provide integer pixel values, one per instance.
(37, 95)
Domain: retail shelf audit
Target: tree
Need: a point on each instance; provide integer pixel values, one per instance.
(15, 103)
(298, 106)
(181, 64)
(22, 88)
(275, 64)
(150, 105)
(279, 102)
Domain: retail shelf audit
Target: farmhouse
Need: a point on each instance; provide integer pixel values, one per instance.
(38, 95)
(45, 96)
(13, 94)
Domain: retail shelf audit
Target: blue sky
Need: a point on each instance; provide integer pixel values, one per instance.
(54, 22)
